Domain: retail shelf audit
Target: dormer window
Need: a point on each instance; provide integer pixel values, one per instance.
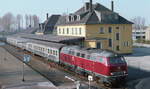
(72, 18)
(68, 18)
(78, 17)
(116, 17)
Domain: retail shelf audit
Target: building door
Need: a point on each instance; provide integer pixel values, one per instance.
(98, 45)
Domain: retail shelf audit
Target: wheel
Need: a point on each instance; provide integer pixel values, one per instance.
(107, 84)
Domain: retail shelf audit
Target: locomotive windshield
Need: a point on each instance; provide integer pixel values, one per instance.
(116, 60)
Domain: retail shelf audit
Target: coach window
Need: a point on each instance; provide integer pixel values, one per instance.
(48, 51)
(72, 53)
(88, 56)
(82, 55)
(51, 51)
(56, 53)
(78, 54)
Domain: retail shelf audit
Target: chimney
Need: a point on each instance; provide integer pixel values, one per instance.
(91, 8)
(112, 5)
(47, 16)
(86, 6)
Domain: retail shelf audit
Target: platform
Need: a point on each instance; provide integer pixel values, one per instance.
(11, 74)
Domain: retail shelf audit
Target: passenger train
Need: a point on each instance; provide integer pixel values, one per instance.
(102, 64)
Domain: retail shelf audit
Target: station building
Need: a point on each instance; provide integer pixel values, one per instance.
(100, 27)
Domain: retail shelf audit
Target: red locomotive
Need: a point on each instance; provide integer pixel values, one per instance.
(103, 64)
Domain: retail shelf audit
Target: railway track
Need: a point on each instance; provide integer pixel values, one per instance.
(47, 72)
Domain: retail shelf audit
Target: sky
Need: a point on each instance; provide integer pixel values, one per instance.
(126, 8)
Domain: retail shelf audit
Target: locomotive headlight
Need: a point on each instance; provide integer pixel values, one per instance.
(125, 72)
(111, 73)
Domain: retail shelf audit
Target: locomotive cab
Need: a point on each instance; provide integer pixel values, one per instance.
(116, 69)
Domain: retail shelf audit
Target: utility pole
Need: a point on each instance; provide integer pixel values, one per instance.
(78, 83)
(23, 71)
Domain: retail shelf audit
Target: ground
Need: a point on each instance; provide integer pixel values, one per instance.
(11, 74)
(139, 68)
(11, 77)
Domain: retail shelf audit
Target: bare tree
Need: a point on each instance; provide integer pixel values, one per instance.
(35, 20)
(19, 19)
(7, 21)
(139, 24)
(27, 20)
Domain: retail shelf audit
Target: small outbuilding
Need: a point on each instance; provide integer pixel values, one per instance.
(148, 33)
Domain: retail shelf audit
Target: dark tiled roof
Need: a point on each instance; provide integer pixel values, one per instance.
(99, 15)
(49, 25)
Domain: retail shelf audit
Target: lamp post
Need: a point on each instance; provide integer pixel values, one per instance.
(2, 44)
(90, 78)
(26, 59)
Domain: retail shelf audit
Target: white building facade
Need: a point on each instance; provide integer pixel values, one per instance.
(137, 34)
(148, 33)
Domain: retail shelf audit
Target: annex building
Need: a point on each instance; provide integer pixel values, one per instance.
(100, 27)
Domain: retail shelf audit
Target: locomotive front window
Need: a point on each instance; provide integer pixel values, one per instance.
(82, 55)
(116, 60)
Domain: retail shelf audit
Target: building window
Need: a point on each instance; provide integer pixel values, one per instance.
(126, 44)
(117, 36)
(118, 27)
(63, 31)
(102, 30)
(72, 31)
(59, 31)
(110, 43)
(98, 45)
(80, 31)
(78, 17)
(118, 48)
(110, 29)
(67, 30)
(76, 30)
